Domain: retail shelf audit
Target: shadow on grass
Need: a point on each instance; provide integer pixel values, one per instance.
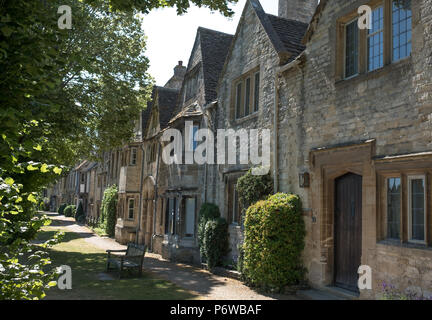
(68, 236)
(86, 283)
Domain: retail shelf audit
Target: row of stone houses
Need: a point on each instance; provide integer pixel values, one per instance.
(349, 111)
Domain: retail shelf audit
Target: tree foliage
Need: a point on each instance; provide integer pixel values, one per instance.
(182, 6)
(64, 95)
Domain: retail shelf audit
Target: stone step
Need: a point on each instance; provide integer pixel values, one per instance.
(327, 293)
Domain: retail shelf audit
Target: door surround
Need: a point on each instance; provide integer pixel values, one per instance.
(328, 164)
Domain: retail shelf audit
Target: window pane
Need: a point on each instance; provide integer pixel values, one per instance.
(247, 96)
(190, 217)
(417, 209)
(351, 49)
(131, 208)
(376, 40)
(238, 100)
(256, 91)
(401, 20)
(393, 208)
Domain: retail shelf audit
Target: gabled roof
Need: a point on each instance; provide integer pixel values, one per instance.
(284, 34)
(290, 33)
(214, 49)
(166, 100)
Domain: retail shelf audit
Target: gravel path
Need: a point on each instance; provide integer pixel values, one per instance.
(203, 283)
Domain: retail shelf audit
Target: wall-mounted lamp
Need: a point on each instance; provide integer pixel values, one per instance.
(304, 180)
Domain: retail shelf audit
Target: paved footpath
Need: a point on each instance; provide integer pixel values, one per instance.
(199, 281)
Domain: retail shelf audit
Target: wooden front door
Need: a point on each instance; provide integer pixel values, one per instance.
(348, 230)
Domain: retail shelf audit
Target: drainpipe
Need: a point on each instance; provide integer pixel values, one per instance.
(155, 196)
(141, 192)
(275, 133)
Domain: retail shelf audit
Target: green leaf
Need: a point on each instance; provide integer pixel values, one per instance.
(30, 167)
(31, 198)
(9, 181)
(7, 31)
(57, 170)
(52, 283)
(44, 168)
(38, 147)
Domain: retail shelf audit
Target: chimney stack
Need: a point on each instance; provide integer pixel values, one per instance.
(299, 10)
(180, 70)
(176, 80)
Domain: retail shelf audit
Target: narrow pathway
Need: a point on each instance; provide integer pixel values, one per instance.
(199, 281)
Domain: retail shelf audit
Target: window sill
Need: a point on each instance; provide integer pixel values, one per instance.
(247, 118)
(375, 73)
(407, 245)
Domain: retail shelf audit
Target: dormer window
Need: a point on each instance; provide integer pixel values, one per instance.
(246, 94)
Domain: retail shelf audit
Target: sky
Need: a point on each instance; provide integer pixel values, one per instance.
(170, 37)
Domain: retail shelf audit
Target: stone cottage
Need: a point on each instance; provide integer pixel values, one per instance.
(246, 93)
(354, 141)
(139, 165)
(185, 185)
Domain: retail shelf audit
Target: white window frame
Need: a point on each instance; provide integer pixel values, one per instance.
(409, 179)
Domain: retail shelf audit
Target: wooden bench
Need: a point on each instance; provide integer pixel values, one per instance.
(132, 259)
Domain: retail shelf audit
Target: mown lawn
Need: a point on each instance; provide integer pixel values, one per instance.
(88, 261)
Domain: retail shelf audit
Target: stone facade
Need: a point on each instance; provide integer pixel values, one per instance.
(324, 126)
(299, 10)
(373, 125)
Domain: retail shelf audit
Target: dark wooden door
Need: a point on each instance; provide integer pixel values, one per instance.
(348, 230)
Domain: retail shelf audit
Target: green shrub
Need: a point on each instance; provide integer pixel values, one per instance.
(109, 210)
(215, 241)
(69, 211)
(208, 211)
(274, 241)
(61, 208)
(45, 204)
(80, 215)
(251, 188)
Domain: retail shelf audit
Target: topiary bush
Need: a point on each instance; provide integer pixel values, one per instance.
(61, 208)
(108, 217)
(208, 211)
(274, 241)
(80, 215)
(70, 211)
(215, 241)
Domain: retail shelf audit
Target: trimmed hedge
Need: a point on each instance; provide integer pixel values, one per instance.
(69, 211)
(215, 241)
(208, 211)
(274, 241)
(61, 208)
(80, 215)
(251, 188)
(109, 210)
